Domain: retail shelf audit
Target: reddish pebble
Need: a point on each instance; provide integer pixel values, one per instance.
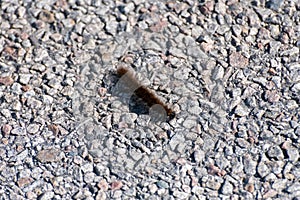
(116, 185)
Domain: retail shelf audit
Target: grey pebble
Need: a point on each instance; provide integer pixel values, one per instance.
(18, 131)
(117, 194)
(213, 183)
(21, 156)
(275, 4)
(262, 169)
(294, 188)
(198, 156)
(49, 155)
(293, 154)
(249, 166)
(16, 105)
(16, 87)
(89, 177)
(47, 195)
(162, 184)
(33, 128)
(177, 52)
(198, 190)
(275, 153)
(241, 111)
(227, 188)
(180, 195)
(236, 59)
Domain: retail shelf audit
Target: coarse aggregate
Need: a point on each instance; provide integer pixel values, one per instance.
(229, 69)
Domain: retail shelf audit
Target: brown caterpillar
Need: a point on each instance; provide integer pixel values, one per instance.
(147, 95)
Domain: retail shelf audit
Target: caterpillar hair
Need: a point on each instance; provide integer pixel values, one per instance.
(146, 94)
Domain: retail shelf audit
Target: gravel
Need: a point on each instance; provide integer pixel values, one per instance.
(229, 69)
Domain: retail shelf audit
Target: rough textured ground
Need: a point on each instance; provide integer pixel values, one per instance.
(230, 70)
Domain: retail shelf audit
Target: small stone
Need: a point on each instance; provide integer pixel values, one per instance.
(102, 91)
(250, 187)
(197, 190)
(46, 196)
(25, 181)
(68, 23)
(49, 155)
(56, 84)
(106, 57)
(21, 156)
(17, 106)
(6, 129)
(272, 96)
(10, 50)
(54, 128)
(263, 33)
(279, 184)
(68, 91)
(177, 52)
(33, 128)
(103, 185)
(18, 131)
(101, 195)
(26, 44)
(293, 154)
(7, 80)
(227, 188)
(117, 194)
(199, 156)
(90, 44)
(116, 185)
(261, 80)
(189, 123)
(296, 88)
(111, 27)
(263, 13)
(262, 169)
(129, 7)
(47, 99)
(162, 184)
(241, 111)
(56, 37)
(196, 52)
(16, 87)
(21, 11)
(236, 59)
(275, 4)
(26, 88)
(269, 194)
(77, 160)
(34, 103)
(213, 184)
(275, 153)
(31, 195)
(242, 143)
(46, 16)
(101, 170)
(220, 7)
(89, 177)
(180, 195)
(88, 167)
(249, 166)
(152, 188)
(236, 29)
(6, 113)
(218, 73)
(152, 45)
(294, 188)
(290, 52)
